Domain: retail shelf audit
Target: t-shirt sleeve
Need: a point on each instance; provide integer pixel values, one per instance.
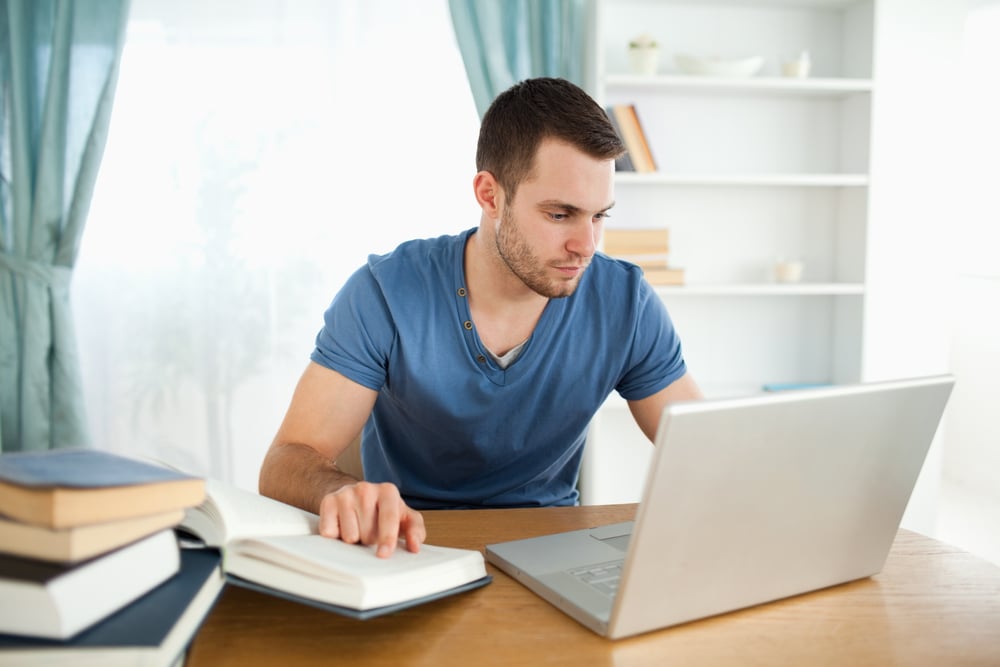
(656, 359)
(358, 332)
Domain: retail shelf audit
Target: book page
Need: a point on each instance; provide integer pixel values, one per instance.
(334, 572)
(231, 512)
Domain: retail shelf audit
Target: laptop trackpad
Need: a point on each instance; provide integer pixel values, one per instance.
(616, 535)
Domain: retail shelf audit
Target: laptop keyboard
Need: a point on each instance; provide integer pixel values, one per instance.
(603, 576)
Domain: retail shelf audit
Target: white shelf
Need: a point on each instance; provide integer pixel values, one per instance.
(780, 180)
(824, 87)
(764, 289)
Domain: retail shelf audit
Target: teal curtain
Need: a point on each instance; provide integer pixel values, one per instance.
(59, 67)
(506, 41)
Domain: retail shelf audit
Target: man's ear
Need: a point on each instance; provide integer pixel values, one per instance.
(487, 192)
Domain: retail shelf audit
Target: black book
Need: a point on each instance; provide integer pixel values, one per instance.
(154, 630)
(58, 600)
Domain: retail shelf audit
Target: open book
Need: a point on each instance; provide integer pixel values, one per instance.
(275, 548)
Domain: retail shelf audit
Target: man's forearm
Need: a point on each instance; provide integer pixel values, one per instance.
(299, 475)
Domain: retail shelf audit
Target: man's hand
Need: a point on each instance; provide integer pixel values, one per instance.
(369, 513)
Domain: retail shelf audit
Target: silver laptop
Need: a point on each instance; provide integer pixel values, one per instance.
(747, 500)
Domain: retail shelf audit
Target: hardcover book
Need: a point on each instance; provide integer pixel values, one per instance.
(275, 548)
(53, 600)
(62, 488)
(71, 545)
(628, 124)
(155, 630)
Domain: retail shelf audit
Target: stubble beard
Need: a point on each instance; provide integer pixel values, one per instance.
(523, 263)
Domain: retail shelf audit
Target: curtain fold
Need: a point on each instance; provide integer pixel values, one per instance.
(506, 41)
(58, 70)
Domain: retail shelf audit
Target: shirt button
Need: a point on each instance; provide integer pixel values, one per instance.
(468, 325)
(481, 359)
(461, 291)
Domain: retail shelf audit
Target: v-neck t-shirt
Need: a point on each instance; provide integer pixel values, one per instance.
(450, 427)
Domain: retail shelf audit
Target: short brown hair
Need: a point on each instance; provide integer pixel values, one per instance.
(528, 112)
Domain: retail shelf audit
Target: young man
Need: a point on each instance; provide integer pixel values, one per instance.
(475, 362)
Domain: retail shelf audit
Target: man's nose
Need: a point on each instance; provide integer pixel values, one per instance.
(583, 241)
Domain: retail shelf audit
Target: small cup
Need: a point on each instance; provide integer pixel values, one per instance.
(788, 271)
(644, 59)
(797, 68)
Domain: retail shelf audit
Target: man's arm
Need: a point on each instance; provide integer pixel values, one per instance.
(647, 411)
(326, 413)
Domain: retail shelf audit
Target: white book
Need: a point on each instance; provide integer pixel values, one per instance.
(58, 601)
(274, 547)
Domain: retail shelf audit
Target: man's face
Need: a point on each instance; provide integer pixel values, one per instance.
(549, 233)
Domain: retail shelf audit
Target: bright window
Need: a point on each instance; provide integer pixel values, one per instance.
(258, 152)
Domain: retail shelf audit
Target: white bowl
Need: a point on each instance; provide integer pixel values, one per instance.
(718, 66)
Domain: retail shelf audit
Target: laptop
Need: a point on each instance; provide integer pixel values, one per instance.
(747, 500)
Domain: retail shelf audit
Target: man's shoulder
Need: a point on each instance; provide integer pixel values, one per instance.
(420, 253)
(612, 274)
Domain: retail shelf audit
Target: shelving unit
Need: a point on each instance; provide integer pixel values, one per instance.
(751, 170)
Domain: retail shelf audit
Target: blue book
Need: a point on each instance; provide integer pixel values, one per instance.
(154, 630)
(63, 488)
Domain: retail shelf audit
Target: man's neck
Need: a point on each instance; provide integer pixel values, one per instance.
(504, 309)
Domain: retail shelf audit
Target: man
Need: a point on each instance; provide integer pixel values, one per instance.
(475, 362)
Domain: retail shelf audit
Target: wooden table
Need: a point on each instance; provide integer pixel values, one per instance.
(933, 604)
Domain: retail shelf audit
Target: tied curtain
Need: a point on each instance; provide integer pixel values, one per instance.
(506, 41)
(58, 71)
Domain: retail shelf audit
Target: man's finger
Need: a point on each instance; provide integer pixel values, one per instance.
(388, 521)
(412, 525)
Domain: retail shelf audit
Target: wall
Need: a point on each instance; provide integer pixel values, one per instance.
(913, 191)
(971, 460)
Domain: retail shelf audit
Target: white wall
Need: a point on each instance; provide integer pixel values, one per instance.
(914, 185)
(972, 454)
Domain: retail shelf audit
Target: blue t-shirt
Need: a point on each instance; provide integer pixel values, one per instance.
(452, 429)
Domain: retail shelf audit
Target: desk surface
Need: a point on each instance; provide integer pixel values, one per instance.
(933, 604)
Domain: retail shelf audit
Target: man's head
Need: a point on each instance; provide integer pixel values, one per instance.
(550, 142)
(521, 117)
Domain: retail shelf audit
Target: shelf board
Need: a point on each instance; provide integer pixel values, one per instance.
(824, 87)
(783, 180)
(763, 289)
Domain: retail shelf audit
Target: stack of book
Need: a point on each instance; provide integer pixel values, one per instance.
(649, 249)
(90, 567)
(91, 571)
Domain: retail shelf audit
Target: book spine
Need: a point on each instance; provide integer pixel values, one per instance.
(624, 163)
(634, 137)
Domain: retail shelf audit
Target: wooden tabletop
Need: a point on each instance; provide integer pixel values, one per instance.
(933, 604)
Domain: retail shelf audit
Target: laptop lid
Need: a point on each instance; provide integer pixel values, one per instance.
(749, 500)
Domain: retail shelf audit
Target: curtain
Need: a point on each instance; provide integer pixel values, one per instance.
(59, 65)
(505, 41)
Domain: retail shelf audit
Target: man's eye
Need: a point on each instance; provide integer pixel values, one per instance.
(558, 217)
(600, 217)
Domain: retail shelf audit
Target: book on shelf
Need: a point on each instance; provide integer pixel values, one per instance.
(275, 548)
(154, 630)
(63, 488)
(637, 245)
(624, 163)
(648, 248)
(627, 122)
(70, 545)
(663, 275)
(789, 386)
(58, 600)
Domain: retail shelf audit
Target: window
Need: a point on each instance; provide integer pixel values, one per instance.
(258, 152)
